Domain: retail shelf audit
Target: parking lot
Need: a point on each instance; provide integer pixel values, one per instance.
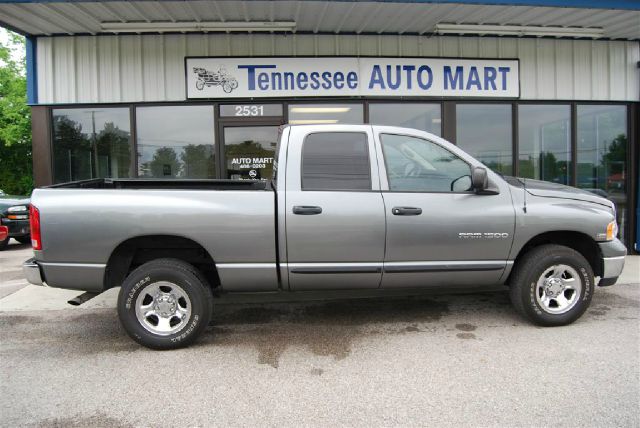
(461, 359)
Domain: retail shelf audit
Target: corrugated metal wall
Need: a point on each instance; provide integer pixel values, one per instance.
(97, 69)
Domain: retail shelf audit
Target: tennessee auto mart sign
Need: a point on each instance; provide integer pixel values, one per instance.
(345, 76)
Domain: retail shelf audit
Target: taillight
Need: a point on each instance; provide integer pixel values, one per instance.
(34, 223)
(4, 233)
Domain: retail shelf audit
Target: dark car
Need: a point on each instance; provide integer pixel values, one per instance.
(14, 214)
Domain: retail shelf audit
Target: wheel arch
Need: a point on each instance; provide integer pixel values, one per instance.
(578, 241)
(138, 250)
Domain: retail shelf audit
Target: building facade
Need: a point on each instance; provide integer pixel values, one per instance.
(199, 89)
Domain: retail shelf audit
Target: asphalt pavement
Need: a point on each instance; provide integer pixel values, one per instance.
(426, 359)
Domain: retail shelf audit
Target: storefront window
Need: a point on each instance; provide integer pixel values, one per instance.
(484, 131)
(300, 114)
(545, 142)
(425, 117)
(602, 153)
(91, 143)
(175, 142)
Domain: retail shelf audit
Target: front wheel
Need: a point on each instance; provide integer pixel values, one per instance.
(165, 304)
(552, 285)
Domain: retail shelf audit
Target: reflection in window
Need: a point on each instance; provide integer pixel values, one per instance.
(545, 142)
(484, 131)
(175, 142)
(417, 165)
(91, 143)
(602, 153)
(425, 117)
(250, 151)
(300, 114)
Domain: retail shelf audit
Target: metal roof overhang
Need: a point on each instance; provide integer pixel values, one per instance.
(615, 19)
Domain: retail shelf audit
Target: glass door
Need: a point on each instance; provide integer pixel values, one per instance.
(248, 135)
(249, 151)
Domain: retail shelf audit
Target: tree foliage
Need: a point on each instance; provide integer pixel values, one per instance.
(15, 121)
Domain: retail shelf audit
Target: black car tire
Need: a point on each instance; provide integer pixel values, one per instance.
(3, 244)
(179, 279)
(24, 239)
(527, 288)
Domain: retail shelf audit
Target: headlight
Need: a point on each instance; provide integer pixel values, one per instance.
(612, 230)
(18, 209)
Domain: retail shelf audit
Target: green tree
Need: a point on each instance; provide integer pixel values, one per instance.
(197, 161)
(113, 143)
(165, 163)
(15, 121)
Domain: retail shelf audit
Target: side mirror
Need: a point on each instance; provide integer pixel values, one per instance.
(479, 179)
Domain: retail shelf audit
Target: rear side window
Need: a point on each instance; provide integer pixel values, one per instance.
(336, 161)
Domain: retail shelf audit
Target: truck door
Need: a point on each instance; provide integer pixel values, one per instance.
(438, 230)
(334, 213)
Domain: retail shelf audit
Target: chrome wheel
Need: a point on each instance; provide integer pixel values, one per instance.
(163, 308)
(558, 289)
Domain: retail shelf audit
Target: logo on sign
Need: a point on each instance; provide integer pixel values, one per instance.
(253, 173)
(215, 78)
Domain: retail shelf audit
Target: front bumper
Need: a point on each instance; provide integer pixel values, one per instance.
(31, 271)
(16, 227)
(613, 256)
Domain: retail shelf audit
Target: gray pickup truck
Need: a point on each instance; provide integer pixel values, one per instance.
(349, 207)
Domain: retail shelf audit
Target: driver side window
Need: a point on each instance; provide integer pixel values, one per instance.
(417, 165)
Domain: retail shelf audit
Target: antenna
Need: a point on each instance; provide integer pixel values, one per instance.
(524, 186)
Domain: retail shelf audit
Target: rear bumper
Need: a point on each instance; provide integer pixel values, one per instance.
(72, 276)
(31, 271)
(16, 227)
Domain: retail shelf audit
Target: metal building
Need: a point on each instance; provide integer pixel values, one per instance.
(545, 89)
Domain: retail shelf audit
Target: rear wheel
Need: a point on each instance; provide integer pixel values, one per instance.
(552, 285)
(165, 304)
(4, 243)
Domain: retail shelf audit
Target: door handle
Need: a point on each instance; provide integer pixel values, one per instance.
(306, 210)
(406, 211)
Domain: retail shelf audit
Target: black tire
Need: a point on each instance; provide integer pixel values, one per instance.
(4, 244)
(189, 280)
(530, 269)
(24, 239)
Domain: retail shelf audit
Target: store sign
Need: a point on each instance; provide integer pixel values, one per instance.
(342, 76)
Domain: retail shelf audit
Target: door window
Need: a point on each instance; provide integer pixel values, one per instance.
(336, 161)
(417, 165)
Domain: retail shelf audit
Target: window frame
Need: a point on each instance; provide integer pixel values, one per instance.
(369, 163)
(386, 166)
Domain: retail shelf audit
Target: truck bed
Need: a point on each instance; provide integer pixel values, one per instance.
(84, 222)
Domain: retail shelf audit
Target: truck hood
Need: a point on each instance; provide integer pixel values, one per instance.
(554, 190)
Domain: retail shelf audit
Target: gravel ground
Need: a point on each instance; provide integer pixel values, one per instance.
(427, 359)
